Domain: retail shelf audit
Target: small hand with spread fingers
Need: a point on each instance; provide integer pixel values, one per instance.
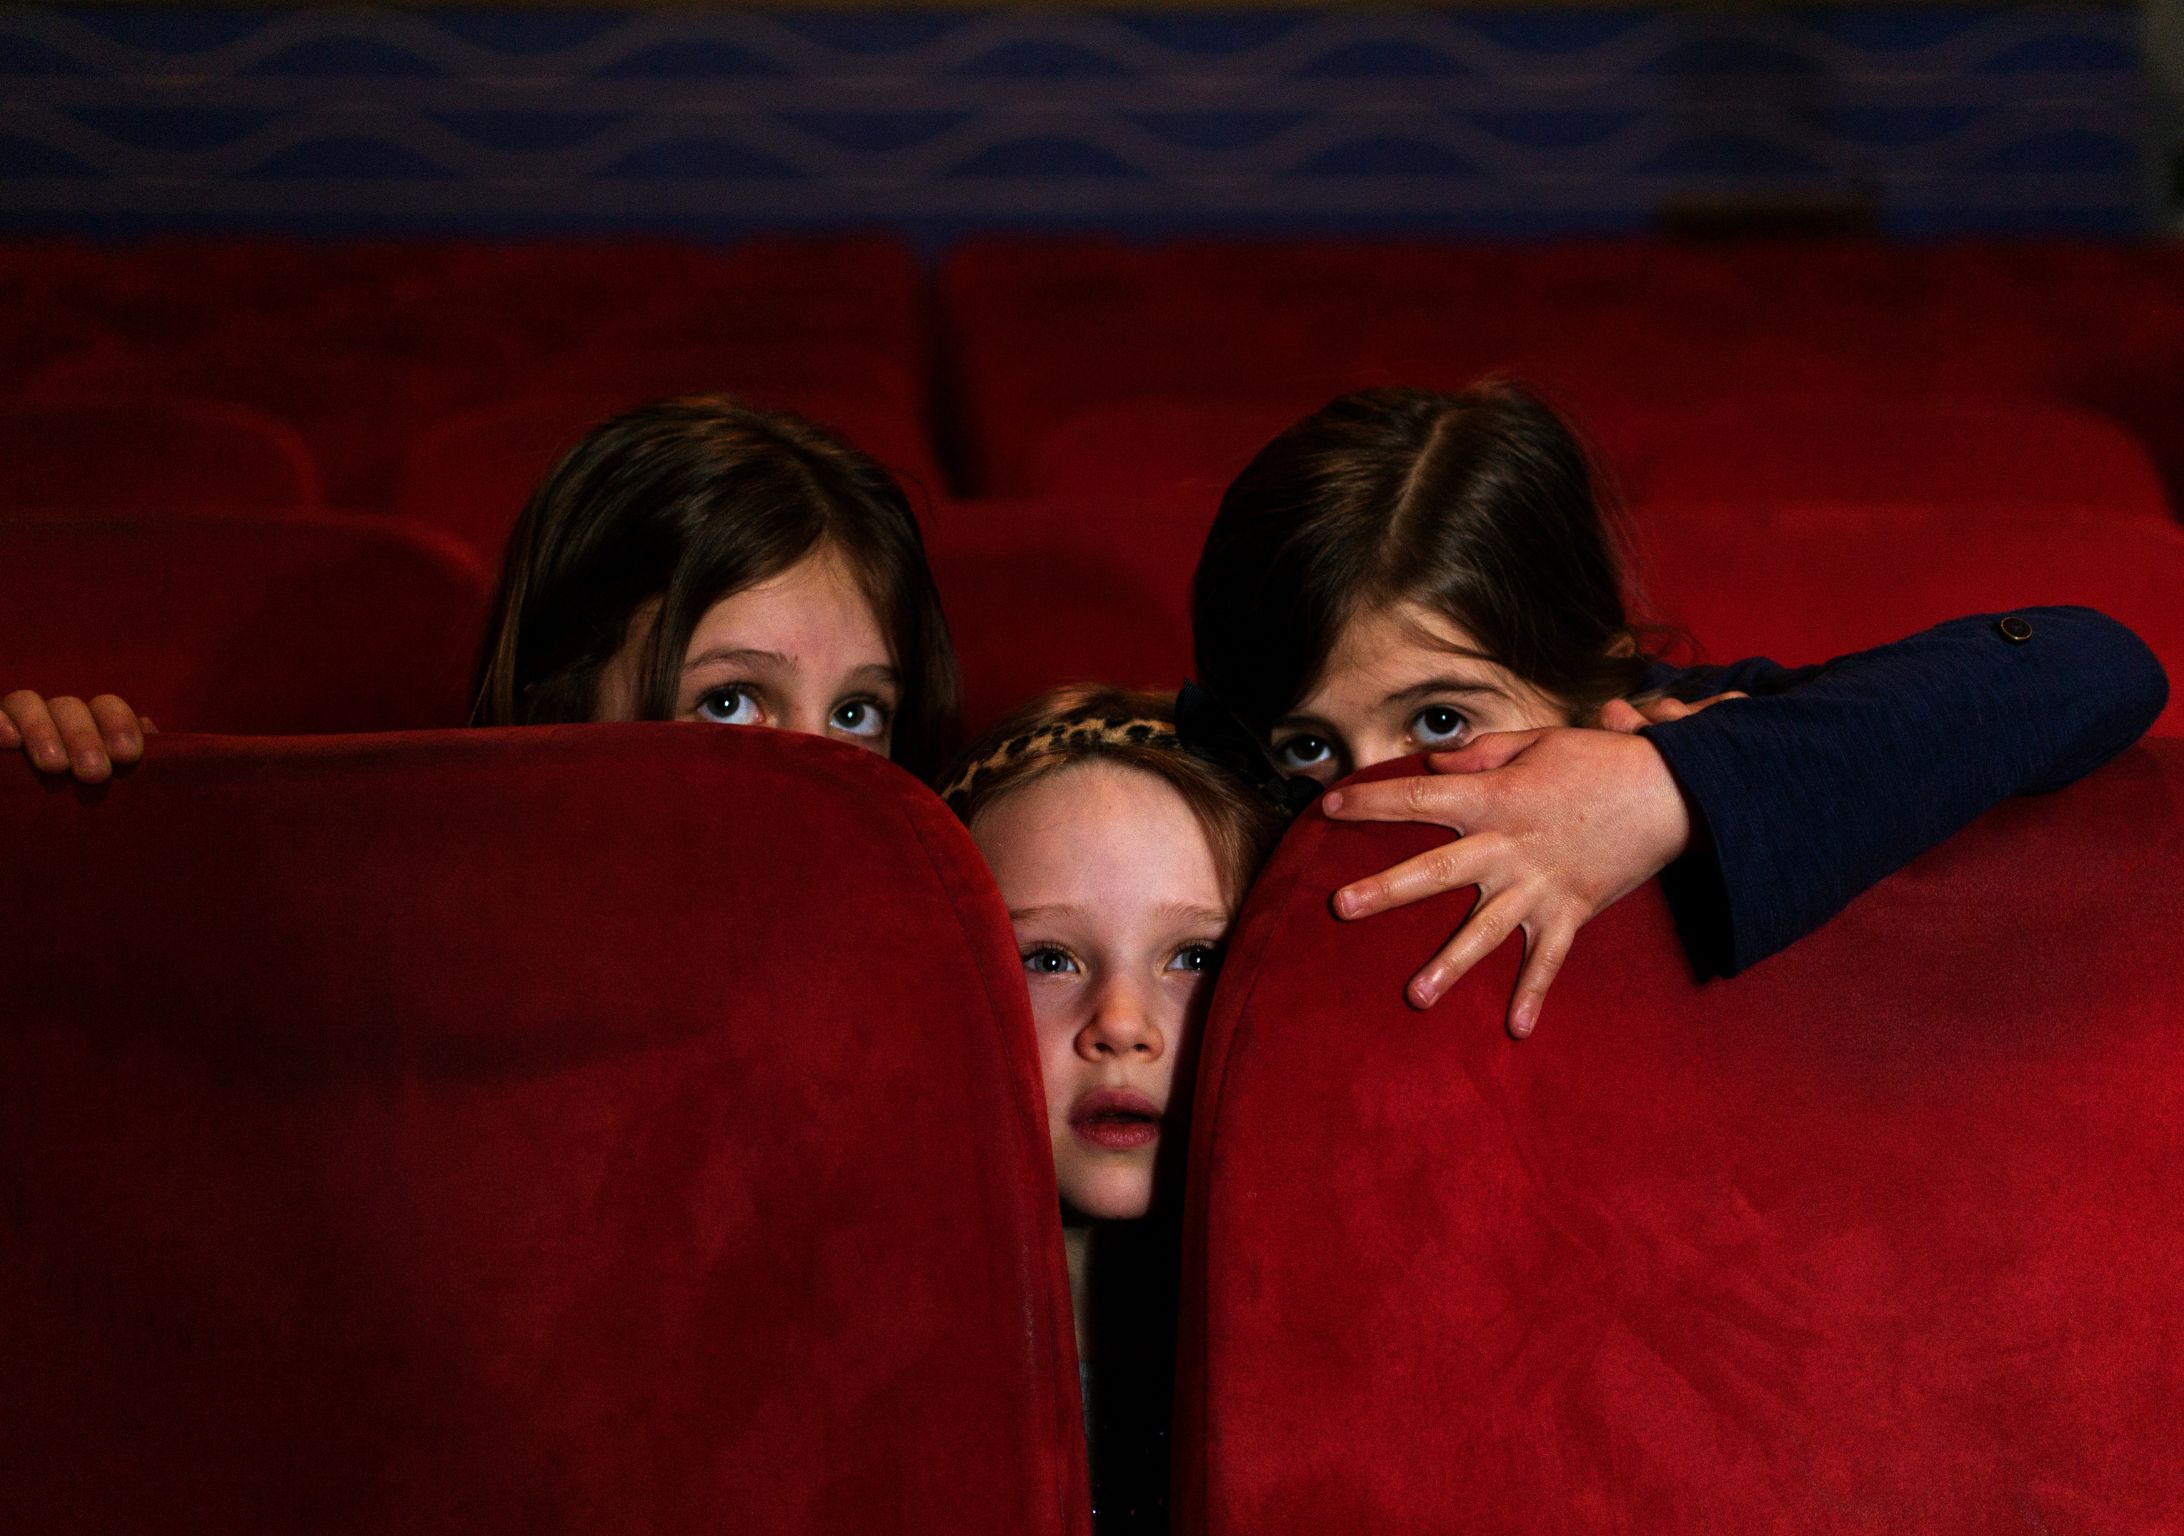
(1553, 826)
(66, 735)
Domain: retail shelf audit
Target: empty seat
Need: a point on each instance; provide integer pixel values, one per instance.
(1878, 1236)
(1041, 593)
(192, 457)
(1972, 454)
(249, 624)
(472, 474)
(1803, 581)
(611, 1128)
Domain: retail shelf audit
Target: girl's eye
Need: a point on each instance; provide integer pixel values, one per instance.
(728, 706)
(860, 717)
(1202, 958)
(1304, 752)
(1047, 960)
(1437, 725)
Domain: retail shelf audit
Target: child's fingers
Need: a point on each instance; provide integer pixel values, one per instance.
(144, 724)
(1493, 750)
(1546, 947)
(117, 724)
(81, 740)
(1452, 866)
(40, 737)
(1622, 717)
(1491, 922)
(1441, 802)
(1715, 698)
(10, 737)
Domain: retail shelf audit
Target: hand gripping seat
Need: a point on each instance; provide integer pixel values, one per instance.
(248, 624)
(593, 1128)
(1879, 1236)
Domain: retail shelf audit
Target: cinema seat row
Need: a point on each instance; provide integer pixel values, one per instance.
(636, 1129)
(286, 623)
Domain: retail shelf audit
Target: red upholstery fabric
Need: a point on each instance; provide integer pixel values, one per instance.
(1878, 1237)
(1606, 328)
(473, 473)
(250, 624)
(606, 1128)
(1040, 593)
(1977, 455)
(362, 346)
(1801, 582)
(186, 456)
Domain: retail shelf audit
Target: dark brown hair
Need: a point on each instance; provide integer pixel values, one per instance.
(1136, 729)
(683, 503)
(1481, 505)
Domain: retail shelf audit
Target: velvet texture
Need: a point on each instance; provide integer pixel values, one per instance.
(1877, 1237)
(602, 1128)
(189, 457)
(472, 474)
(1800, 582)
(1040, 593)
(367, 347)
(248, 624)
(1632, 337)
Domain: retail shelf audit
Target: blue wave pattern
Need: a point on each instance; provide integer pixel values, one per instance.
(1950, 119)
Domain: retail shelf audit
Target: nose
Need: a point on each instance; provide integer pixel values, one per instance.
(1123, 1024)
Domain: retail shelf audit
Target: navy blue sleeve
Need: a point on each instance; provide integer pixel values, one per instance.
(1831, 777)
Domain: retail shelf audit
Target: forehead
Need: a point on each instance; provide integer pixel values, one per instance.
(1099, 835)
(1384, 650)
(815, 611)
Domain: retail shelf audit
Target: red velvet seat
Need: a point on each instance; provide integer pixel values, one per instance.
(1879, 1236)
(609, 1128)
(1042, 593)
(252, 624)
(471, 474)
(1974, 454)
(193, 457)
(1800, 582)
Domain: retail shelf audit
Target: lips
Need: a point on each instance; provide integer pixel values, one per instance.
(1116, 1120)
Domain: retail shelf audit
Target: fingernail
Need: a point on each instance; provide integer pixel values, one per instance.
(52, 758)
(1424, 994)
(1346, 903)
(87, 763)
(1331, 802)
(1520, 1027)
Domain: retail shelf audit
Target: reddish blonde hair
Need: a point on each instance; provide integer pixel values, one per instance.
(1132, 728)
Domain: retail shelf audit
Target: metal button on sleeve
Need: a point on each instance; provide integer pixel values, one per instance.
(2014, 629)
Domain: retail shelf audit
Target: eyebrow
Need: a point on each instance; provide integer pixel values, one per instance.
(871, 672)
(1433, 685)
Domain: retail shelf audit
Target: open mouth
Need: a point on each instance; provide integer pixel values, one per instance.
(1115, 1120)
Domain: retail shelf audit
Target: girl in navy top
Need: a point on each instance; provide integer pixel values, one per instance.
(1406, 572)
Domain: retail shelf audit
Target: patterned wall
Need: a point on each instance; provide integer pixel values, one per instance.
(1518, 121)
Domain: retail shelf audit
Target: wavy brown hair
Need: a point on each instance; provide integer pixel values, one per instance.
(680, 504)
(1481, 505)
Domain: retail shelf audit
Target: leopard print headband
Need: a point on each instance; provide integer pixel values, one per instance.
(1082, 731)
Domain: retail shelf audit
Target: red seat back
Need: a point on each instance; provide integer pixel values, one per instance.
(472, 474)
(609, 1128)
(1801, 582)
(1977, 455)
(1044, 592)
(250, 624)
(1878, 1236)
(191, 457)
